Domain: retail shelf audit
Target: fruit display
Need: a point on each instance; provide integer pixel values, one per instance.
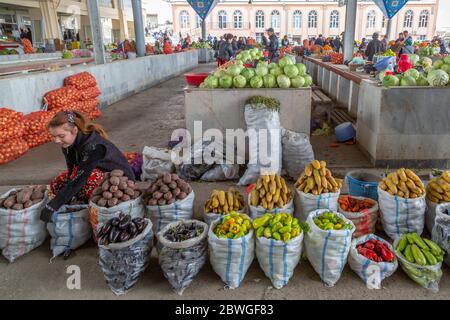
(403, 183)
(280, 226)
(438, 189)
(351, 204)
(27, 46)
(114, 189)
(225, 202)
(233, 226)
(166, 189)
(183, 232)
(80, 81)
(419, 250)
(23, 198)
(121, 229)
(317, 179)
(376, 251)
(270, 191)
(337, 58)
(331, 221)
(389, 53)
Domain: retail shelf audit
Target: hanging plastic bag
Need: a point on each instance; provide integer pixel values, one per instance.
(441, 229)
(327, 250)
(364, 220)
(197, 166)
(278, 259)
(123, 263)
(230, 258)
(297, 152)
(371, 272)
(182, 261)
(69, 229)
(221, 172)
(307, 202)
(21, 230)
(259, 211)
(262, 118)
(400, 215)
(155, 162)
(426, 276)
(430, 214)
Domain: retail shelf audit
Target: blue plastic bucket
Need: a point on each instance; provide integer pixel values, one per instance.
(362, 184)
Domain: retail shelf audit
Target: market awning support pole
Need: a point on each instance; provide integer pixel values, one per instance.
(204, 29)
(138, 27)
(388, 29)
(50, 18)
(97, 31)
(349, 35)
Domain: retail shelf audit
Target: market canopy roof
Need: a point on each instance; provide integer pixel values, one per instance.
(203, 7)
(390, 7)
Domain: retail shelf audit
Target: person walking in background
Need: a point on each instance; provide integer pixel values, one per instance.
(285, 41)
(234, 44)
(336, 44)
(225, 50)
(319, 41)
(264, 40)
(272, 46)
(374, 47)
(384, 42)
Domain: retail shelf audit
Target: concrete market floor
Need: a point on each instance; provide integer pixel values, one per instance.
(148, 118)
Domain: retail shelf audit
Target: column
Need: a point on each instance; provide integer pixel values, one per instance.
(139, 28)
(123, 23)
(349, 36)
(388, 29)
(204, 36)
(97, 31)
(50, 20)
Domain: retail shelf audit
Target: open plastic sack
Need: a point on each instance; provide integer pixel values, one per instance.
(371, 272)
(230, 258)
(155, 162)
(400, 215)
(182, 261)
(262, 118)
(297, 152)
(123, 263)
(441, 230)
(327, 250)
(21, 230)
(430, 214)
(307, 202)
(69, 229)
(278, 259)
(364, 220)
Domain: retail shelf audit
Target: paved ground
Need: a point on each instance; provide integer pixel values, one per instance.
(149, 118)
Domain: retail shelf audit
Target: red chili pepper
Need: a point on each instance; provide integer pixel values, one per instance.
(369, 254)
(385, 253)
(369, 245)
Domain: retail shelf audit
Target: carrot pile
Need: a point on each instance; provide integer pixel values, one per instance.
(350, 204)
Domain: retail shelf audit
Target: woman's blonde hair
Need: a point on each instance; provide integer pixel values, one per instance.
(75, 118)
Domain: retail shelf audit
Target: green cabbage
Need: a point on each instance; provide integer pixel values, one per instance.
(437, 78)
(233, 70)
(291, 71)
(276, 71)
(239, 81)
(248, 73)
(256, 82)
(422, 81)
(226, 81)
(272, 65)
(308, 80)
(283, 81)
(414, 58)
(261, 71)
(446, 67)
(412, 73)
(301, 69)
(390, 81)
(211, 82)
(438, 63)
(285, 61)
(408, 81)
(297, 82)
(269, 81)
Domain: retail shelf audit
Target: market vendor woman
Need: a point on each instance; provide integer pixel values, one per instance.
(89, 154)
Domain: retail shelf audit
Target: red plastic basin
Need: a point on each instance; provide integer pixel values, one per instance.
(195, 79)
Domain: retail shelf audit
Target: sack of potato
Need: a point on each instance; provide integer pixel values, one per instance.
(437, 192)
(69, 229)
(21, 229)
(168, 199)
(401, 197)
(316, 188)
(115, 194)
(270, 194)
(223, 202)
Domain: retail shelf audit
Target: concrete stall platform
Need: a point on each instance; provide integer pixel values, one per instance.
(404, 125)
(19, 58)
(116, 80)
(224, 108)
(205, 55)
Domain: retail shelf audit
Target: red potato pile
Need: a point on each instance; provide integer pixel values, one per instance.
(24, 198)
(166, 189)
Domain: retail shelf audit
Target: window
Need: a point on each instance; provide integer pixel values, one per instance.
(275, 17)
(297, 19)
(259, 36)
(237, 16)
(198, 22)
(383, 21)
(408, 19)
(334, 19)
(259, 23)
(423, 19)
(127, 4)
(184, 19)
(371, 19)
(222, 19)
(312, 19)
(422, 37)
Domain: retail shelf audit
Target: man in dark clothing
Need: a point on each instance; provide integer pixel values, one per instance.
(336, 44)
(264, 40)
(225, 50)
(375, 46)
(319, 41)
(272, 46)
(285, 41)
(234, 44)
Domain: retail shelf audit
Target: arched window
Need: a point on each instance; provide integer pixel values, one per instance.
(184, 19)
(222, 19)
(408, 19)
(371, 19)
(259, 23)
(198, 21)
(237, 17)
(297, 19)
(334, 19)
(312, 19)
(423, 19)
(275, 19)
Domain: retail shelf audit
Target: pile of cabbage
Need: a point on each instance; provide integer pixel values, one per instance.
(249, 55)
(434, 74)
(284, 74)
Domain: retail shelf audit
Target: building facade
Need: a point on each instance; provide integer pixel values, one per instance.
(300, 19)
(51, 19)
